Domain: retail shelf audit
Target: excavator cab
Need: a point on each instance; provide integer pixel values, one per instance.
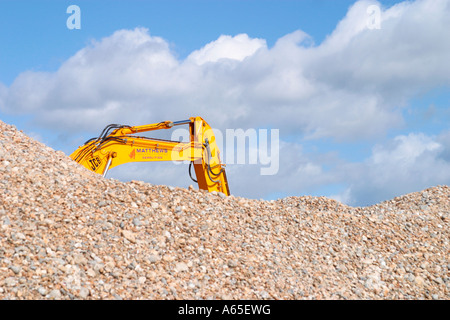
(119, 144)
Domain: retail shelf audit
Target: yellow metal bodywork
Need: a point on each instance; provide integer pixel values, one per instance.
(121, 146)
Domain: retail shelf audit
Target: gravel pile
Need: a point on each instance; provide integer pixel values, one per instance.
(67, 233)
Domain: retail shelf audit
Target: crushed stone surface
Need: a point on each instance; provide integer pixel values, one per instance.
(68, 233)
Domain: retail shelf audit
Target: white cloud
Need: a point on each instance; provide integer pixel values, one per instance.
(226, 47)
(403, 151)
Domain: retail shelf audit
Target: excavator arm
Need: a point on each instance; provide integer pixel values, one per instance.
(118, 144)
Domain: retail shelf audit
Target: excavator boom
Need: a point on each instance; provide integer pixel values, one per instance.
(118, 144)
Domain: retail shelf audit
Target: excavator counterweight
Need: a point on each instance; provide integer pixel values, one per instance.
(118, 144)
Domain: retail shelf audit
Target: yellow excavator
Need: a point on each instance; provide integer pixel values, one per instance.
(119, 144)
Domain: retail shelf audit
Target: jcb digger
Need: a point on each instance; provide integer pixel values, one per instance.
(119, 144)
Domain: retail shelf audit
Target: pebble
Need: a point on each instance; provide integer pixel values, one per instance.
(54, 295)
(68, 233)
(15, 269)
(137, 222)
(153, 258)
(181, 266)
(84, 293)
(42, 291)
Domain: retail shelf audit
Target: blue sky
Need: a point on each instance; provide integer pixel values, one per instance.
(363, 113)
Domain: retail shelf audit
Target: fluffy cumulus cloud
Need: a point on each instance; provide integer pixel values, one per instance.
(352, 86)
(227, 47)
